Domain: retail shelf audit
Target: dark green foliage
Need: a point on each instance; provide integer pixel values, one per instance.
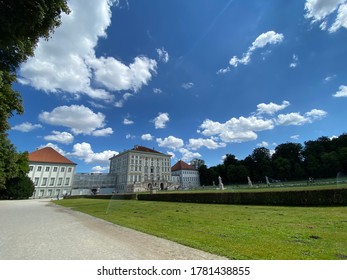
(18, 188)
(322, 158)
(22, 24)
(328, 197)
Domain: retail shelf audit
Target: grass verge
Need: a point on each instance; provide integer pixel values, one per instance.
(234, 231)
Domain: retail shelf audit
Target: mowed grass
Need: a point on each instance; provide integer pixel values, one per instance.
(235, 231)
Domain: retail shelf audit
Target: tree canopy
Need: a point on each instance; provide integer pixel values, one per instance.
(321, 158)
(22, 24)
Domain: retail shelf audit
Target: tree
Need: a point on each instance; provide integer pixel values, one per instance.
(22, 24)
(262, 159)
(196, 162)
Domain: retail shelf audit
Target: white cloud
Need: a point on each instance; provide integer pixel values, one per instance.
(211, 144)
(157, 90)
(294, 62)
(322, 11)
(170, 142)
(172, 155)
(84, 152)
(295, 137)
(268, 38)
(298, 119)
(99, 169)
(26, 127)
(130, 136)
(80, 119)
(126, 121)
(161, 120)
(67, 63)
(188, 85)
(120, 103)
(117, 76)
(188, 155)
(342, 92)
(263, 144)
(236, 130)
(147, 137)
(61, 137)
(271, 108)
(103, 132)
(163, 55)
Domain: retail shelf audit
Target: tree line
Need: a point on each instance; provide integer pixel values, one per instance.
(321, 158)
(22, 24)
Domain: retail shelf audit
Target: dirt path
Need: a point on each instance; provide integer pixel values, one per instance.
(41, 230)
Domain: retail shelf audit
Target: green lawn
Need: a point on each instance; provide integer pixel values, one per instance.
(234, 231)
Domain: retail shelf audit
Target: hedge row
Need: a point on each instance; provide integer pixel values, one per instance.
(332, 197)
(127, 196)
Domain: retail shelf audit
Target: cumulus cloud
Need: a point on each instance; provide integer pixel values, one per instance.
(323, 11)
(163, 55)
(271, 108)
(161, 120)
(84, 152)
(116, 76)
(102, 132)
(80, 119)
(342, 92)
(210, 144)
(298, 119)
(157, 90)
(26, 127)
(99, 169)
(67, 62)
(61, 137)
(236, 130)
(147, 137)
(264, 39)
(188, 155)
(126, 121)
(170, 142)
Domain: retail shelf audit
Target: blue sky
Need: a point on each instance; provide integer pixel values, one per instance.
(195, 79)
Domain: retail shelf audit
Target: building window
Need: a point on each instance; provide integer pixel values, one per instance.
(31, 168)
(55, 169)
(67, 181)
(44, 181)
(51, 182)
(62, 169)
(60, 180)
(36, 181)
(39, 168)
(69, 170)
(47, 169)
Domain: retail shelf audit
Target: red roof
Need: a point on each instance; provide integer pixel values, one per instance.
(144, 149)
(48, 155)
(181, 165)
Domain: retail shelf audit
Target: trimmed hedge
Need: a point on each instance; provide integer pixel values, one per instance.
(127, 196)
(331, 197)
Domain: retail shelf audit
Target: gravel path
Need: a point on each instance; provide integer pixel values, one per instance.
(41, 230)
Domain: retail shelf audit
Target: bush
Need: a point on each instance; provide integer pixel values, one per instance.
(18, 188)
(333, 197)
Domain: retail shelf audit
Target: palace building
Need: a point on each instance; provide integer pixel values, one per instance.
(141, 169)
(51, 172)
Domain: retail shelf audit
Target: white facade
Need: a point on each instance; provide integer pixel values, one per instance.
(141, 169)
(51, 179)
(185, 176)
